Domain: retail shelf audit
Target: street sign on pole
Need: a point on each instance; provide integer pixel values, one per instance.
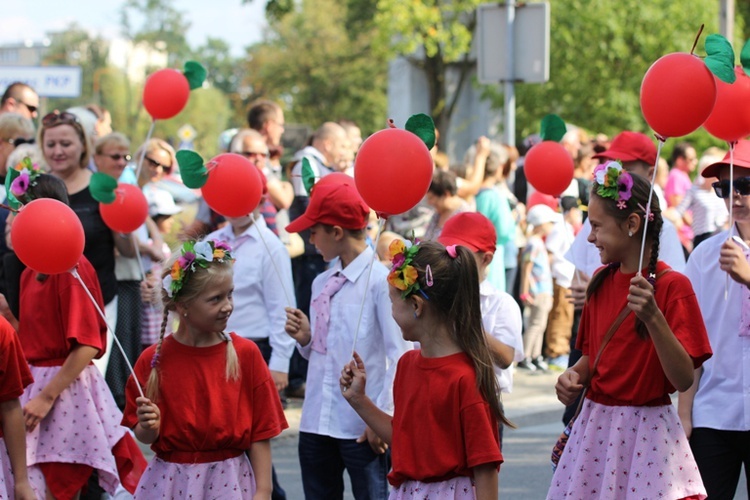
(528, 51)
(47, 81)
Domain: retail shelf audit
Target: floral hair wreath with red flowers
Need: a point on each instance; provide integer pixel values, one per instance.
(194, 254)
(613, 182)
(403, 275)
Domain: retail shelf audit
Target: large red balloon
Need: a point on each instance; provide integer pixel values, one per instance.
(234, 185)
(538, 198)
(730, 118)
(47, 236)
(165, 93)
(393, 171)
(129, 210)
(549, 168)
(678, 93)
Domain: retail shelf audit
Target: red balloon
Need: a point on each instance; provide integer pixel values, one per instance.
(129, 210)
(730, 118)
(538, 198)
(165, 93)
(47, 236)
(393, 171)
(678, 93)
(549, 168)
(234, 185)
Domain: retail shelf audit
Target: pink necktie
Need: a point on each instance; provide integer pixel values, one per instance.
(321, 306)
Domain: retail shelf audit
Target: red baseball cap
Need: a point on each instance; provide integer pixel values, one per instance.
(630, 146)
(741, 159)
(333, 204)
(471, 230)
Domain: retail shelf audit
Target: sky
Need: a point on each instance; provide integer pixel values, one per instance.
(237, 23)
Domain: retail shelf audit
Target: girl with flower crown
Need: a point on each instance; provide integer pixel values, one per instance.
(210, 399)
(642, 336)
(447, 388)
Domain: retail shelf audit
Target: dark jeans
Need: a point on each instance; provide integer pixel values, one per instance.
(323, 460)
(720, 456)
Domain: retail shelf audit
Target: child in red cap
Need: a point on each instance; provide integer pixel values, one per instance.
(332, 436)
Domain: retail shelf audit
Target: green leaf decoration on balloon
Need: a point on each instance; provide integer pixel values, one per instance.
(193, 171)
(720, 58)
(423, 126)
(10, 198)
(102, 187)
(195, 74)
(745, 57)
(553, 128)
(308, 175)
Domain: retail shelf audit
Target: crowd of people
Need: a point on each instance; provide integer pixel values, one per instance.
(391, 336)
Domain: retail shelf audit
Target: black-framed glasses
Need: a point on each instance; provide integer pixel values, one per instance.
(741, 186)
(118, 156)
(57, 118)
(21, 140)
(156, 164)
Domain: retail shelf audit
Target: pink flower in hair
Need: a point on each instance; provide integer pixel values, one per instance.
(20, 184)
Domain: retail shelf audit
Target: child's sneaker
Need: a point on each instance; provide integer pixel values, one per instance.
(526, 364)
(540, 364)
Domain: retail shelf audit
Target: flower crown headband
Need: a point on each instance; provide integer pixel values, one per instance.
(614, 182)
(403, 275)
(194, 255)
(19, 179)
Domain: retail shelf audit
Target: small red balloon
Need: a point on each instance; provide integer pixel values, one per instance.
(549, 168)
(165, 93)
(393, 171)
(730, 118)
(678, 93)
(538, 198)
(129, 210)
(47, 236)
(234, 186)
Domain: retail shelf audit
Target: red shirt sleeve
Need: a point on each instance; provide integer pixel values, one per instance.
(14, 372)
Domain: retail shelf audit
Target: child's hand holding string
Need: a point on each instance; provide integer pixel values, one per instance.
(641, 299)
(149, 416)
(353, 380)
(732, 260)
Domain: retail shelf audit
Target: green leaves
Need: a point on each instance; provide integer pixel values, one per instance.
(195, 74)
(308, 175)
(720, 58)
(745, 57)
(11, 200)
(553, 128)
(102, 187)
(423, 126)
(193, 171)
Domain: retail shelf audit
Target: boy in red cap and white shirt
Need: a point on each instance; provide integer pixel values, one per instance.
(332, 436)
(501, 316)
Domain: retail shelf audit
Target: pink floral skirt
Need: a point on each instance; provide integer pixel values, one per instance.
(7, 482)
(228, 479)
(457, 488)
(626, 452)
(81, 428)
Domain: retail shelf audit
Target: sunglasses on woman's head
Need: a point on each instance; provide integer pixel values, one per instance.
(57, 118)
(741, 186)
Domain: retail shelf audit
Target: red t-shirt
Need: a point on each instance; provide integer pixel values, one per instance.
(442, 426)
(205, 417)
(14, 372)
(629, 372)
(57, 314)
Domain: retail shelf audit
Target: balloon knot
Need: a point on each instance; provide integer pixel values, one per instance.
(660, 138)
(391, 124)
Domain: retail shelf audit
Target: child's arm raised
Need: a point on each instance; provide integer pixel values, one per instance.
(352, 383)
(149, 421)
(39, 406)
(260, 459)
(14, 434)
(674, 359)
(485, 482)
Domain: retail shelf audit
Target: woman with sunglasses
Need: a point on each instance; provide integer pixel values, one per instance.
(67, 149)
(714, 411)
(14, 131)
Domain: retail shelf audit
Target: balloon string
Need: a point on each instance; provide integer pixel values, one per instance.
(8, 208)
(77, 276)
(660, 143)
(275, 267)
(143, 153)
(138, 256)
(381, 225)
(731, 204)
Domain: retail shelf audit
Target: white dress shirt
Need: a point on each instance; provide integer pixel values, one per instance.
(501, 318)
(379, 344)
(317, 164)
(263, 287)
(558, 242)
(723, 398)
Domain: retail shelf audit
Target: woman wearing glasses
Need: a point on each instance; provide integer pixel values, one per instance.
(14, 131)
(714, 411)
(67, 149)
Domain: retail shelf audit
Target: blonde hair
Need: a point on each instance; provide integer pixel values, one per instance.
(13, 125)
(195, 282)
(152, 145)
(115, 138)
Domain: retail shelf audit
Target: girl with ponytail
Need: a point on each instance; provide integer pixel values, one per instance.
(444, 430)
(210, 399)
(642, 336)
